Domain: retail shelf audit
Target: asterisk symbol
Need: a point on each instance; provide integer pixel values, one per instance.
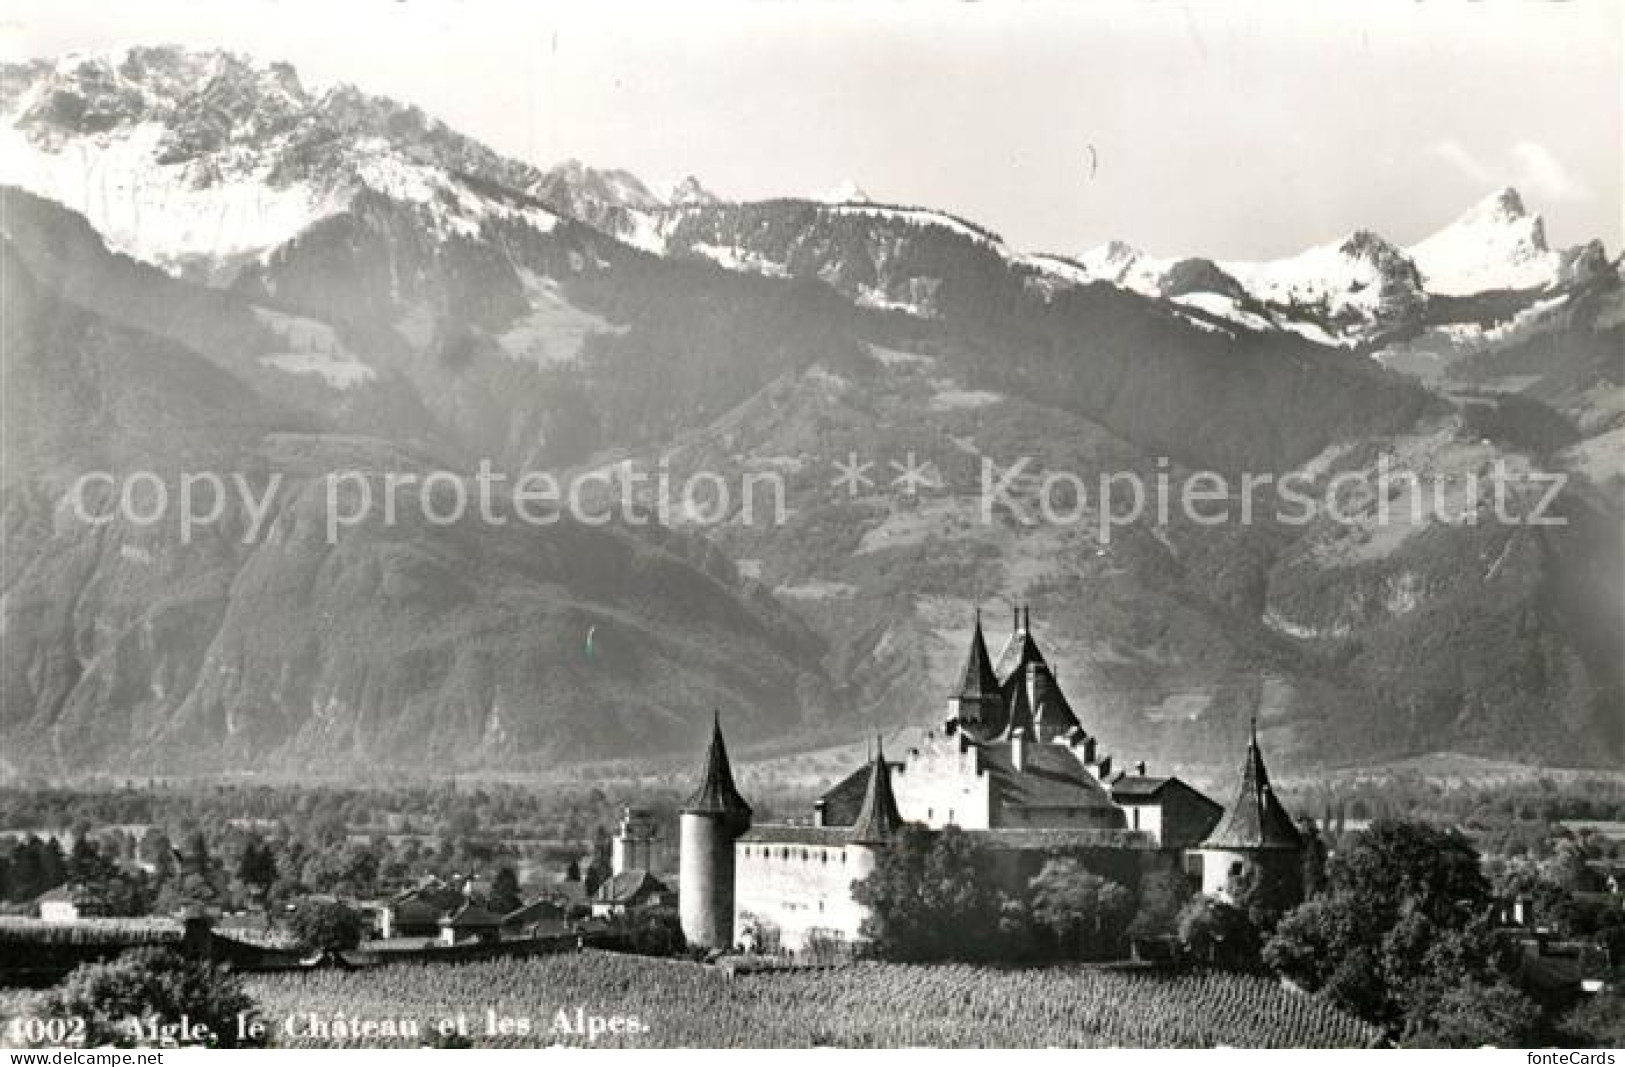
(853, 475)
(912, 475)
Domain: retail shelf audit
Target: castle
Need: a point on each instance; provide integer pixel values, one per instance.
(1013, 767)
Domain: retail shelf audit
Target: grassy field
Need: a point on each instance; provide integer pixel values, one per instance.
(684, 1005)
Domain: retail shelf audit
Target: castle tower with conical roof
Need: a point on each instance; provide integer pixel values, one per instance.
(977, 705)
(712, 819)
(1255, 830)
(878, 822)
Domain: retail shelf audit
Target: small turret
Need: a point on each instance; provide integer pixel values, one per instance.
(878, 820)
(712, 819)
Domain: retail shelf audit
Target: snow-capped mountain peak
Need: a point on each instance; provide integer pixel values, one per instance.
(177, 156)
(1502, 206)
(1495, 244)
(1125, 266)
(1362, 278)
(683, 192)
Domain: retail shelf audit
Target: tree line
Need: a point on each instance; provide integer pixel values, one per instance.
(1398, 927)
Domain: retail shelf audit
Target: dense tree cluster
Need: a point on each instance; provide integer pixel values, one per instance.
(1398, 929)
(154, 988)
(1402, 935)
(932, 897)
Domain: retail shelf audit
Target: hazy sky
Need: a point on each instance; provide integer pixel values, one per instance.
(1244, 129)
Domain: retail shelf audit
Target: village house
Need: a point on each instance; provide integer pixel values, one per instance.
(470, 923)
(69, 903)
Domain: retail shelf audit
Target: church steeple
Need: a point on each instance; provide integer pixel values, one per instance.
(717, 794)
(878, 819)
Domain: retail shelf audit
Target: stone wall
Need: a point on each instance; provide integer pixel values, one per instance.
(788, 892)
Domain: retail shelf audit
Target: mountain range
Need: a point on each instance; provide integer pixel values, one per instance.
(208, 265)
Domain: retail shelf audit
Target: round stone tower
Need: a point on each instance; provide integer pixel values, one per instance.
(710, 822)
(1255, 831)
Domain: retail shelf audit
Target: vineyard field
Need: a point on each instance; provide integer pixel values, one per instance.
(678, 1004)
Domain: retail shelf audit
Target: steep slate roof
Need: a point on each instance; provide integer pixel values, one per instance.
(1132, 787)
(878, 819)
(786, 834)
(628, 887)
(981, 711)
(1044, 709)
(1026, 654)
(472, 917)
(978, 682)
(717, 794)
(1256, 820)
(1054, 777)
(1018, 711)
(416, 912)
(843, 800)
(536, 911)
(1053, 717)
(1010, 656)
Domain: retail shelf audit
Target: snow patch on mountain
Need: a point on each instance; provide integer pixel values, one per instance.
(739, 259)
(452, 206)
(682, 192)
(157, 212)
(1225, 307)
(1052, 268)
(1360, 278)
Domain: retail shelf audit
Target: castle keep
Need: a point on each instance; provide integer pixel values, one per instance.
(1010, 764)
